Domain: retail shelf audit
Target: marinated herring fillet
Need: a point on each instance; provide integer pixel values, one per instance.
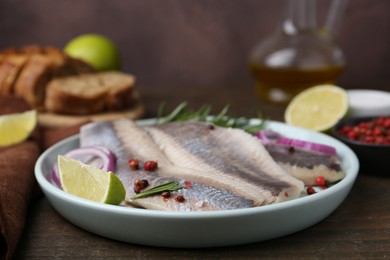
(303, 160)
(126, 140)
(149, 149)
(306, 165)
(227, 154)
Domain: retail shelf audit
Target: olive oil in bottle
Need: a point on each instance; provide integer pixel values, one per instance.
(279, 85)
(298, 55)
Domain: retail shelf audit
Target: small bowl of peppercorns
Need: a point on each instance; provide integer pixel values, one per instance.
(369, 138)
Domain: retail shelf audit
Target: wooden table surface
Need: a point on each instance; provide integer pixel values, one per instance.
(358, 229)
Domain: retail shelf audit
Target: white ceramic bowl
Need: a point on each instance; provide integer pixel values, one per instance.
(200, 229)
(367, 102)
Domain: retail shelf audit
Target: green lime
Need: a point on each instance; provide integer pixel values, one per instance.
(97, 50)
(90, 182)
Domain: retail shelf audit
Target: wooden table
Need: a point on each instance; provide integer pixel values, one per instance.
(358, 229)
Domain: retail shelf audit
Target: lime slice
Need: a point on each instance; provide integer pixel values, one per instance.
(89, 182)
(15, 128)
(318, 108)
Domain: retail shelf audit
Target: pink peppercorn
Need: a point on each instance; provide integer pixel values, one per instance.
(309, 189)
(133, 164)
(180, 198)
(320, 181)
(150, 166)
(375, 131)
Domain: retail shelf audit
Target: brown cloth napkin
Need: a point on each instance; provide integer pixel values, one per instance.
(17, 181)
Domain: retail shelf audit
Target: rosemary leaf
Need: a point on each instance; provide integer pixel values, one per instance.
(175, 113)
(218, 118)
(168, 186)
(183, 113)
(160, 111)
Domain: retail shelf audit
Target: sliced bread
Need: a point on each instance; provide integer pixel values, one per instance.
(32, 81)
(10, 69)
(43, 64)
(90, 93)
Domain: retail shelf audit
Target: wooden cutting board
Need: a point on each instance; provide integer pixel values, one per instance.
(51, 120)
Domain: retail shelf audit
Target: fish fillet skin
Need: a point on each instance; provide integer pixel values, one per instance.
(306, 165)
(226, 154)
(126, 140)
(142, 146)
(149, 149)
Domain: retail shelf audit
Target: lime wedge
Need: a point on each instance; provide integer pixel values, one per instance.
(89, 182)
(15, 128)
(318, 108)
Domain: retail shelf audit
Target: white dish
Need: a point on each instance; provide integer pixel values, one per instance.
(200, 229)
(367, 102)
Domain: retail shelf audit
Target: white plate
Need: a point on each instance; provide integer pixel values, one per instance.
(200, 229)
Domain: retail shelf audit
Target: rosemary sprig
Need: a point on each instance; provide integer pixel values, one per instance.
(183, 113)
(168, 186)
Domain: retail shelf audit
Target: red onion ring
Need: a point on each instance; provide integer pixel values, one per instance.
(99, 156)
(267, 136)
(315, 147)
(271, 137)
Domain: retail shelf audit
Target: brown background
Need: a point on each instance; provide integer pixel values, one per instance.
(195, 42)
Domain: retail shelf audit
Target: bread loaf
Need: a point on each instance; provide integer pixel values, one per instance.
(90, 93)
(26, 71)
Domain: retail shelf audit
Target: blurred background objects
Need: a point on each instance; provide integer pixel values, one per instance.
(196, 43)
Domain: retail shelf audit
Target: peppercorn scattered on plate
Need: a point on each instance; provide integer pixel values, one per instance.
(200, 229)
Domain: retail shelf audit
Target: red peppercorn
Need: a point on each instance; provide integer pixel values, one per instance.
(376, 131)
(137, 189)
(180, 198)
(144, 183)
(150, 166)
(187, 185)
(352, 135)
(379, 120)
(309, 189)
(291, 149)
(140, 184)
(320, 181)
(133, 164)
(368, 139)
(137, 182)
(166, 194)
(387, 123)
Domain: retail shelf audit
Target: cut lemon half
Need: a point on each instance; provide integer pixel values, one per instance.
(89, 182)
(15, 128)
(318, 108)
